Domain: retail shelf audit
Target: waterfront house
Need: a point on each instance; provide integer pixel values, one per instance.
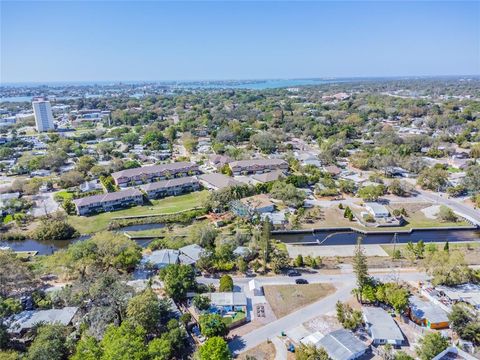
(108, 202)
(152, 173)
(378, 211)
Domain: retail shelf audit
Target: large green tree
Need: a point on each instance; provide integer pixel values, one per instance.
(431, 345)
(147, 310)
(177, 280)
(212, 325)
(214, 348)
(50, 343)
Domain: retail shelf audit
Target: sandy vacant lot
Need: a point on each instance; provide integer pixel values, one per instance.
(264, 351)
(285, 299)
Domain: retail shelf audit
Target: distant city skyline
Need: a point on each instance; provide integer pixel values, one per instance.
(200, 41)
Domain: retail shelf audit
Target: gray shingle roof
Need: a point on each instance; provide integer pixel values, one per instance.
(118, 195)
(153, 169)
(165, 184)
(219, 181)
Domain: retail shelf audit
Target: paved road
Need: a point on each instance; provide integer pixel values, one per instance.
(319, 277)
(323, 306)
(344, 284)
(454, 204)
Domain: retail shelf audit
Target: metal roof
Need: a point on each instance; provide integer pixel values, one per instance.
(427, 310)
(228, 299)
(381, 324)
(341, 345)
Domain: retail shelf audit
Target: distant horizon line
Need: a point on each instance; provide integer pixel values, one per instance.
(246, 80)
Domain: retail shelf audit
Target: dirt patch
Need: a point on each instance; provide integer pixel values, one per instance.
(285, 299)
(323, 323)
(264, 351)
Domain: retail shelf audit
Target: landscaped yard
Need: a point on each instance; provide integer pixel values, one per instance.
(96, 223)
(285, 299)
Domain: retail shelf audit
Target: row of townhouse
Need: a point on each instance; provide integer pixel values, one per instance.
(149, 174)
(172, 187)
(257, 166)
(108, 202)
(131, 197)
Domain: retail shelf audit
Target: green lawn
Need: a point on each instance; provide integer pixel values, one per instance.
(95, 223)
(452, 245)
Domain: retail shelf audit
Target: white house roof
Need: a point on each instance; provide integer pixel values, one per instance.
(342, 345)
(377, 208)
(382, 326)
(228, 299)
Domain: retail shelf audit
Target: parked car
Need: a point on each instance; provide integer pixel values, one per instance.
(293, 273)
(301, 281)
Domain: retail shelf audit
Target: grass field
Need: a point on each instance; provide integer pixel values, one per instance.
(464, 246)
(285, 299)
(96, 223)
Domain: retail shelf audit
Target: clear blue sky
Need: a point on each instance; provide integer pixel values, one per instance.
(133, 40)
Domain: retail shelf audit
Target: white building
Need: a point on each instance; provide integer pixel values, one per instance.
(43, 115)
(381, 327)
(377, 210)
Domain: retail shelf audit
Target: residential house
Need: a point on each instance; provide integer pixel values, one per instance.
(257, 166)
(218, 161)
(171, 187)
(152, 173)
(228, 301)
(425, 313)
(190, 254)
(159, 259)
(26, 320)
(453, 352)
(340, 345)
(269, 176)
(92, 185)
(378, 211)
(108, 202)
(216, 181)
(381, 327)
(253, 205)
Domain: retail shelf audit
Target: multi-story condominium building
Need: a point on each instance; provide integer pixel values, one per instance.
(43, 115)
(170, 187)
(108, 202)
(257, 166)
(148, 174)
